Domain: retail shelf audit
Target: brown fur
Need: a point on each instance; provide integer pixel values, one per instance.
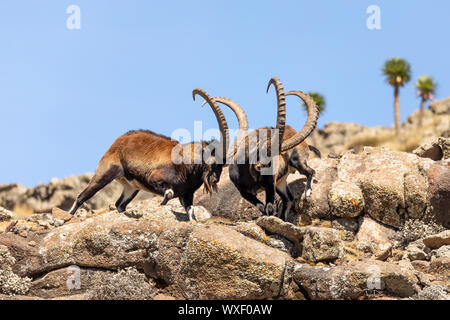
(142, 160)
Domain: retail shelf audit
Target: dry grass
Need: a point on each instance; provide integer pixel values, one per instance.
(351, 252)
(3, 225)
(22, 211)
(370, 140)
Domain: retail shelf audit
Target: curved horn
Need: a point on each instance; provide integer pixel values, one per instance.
(310, 124)
(281, 107)
(237, 109)
(223, 125)
(242, 120)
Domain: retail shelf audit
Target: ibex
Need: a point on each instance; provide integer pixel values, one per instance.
(143, 160)
(293, 154)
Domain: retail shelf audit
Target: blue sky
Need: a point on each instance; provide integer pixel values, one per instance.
(66, 95)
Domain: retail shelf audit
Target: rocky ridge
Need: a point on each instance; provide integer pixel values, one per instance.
(375, 227)
(338, 137)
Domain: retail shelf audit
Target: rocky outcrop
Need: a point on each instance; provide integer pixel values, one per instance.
(58, 193)
(373, 227)
(214, 258)
(316, 244)
(337, 137)
(372, 236)
(356, 280)
(434, 149)
(198, 261)
(389, 186)
(340, 137)
(6, 215)
(438, 240)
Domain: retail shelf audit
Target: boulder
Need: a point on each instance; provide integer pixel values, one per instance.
(61, 214)
(222, 264)
(372, 235)
(430, 149)
(355, 279)
(440, 267)
(59, 193)
(6, 215)
(442, 252)
(318, 244)
(275, 225)
(384, 197)
(438, 240)
(252, 230)
(346, 199)
(322, 245)
(202, 261)
(414, 253)
(317, 205)
(415, 186)
(384, 252)
(421, 266)
(438, 204)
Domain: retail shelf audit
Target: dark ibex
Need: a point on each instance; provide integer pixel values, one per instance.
(293, 154)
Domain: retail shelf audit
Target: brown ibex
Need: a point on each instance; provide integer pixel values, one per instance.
(143, 160)
(293, 154)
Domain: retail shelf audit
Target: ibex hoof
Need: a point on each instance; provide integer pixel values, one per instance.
(269, 209)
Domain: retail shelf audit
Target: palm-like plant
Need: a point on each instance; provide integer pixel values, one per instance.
(426, 88)
(319, 100)
(397, 72)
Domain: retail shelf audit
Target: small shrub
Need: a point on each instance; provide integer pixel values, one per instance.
(10, 283)
(414, 230)
(126, 284)
(436, 292)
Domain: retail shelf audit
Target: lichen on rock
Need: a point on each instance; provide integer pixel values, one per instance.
(10, 283)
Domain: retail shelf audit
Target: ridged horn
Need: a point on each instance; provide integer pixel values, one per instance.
(310, 124)
(223, 125)
(237, 109)
(281, 106)
(240, 115)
